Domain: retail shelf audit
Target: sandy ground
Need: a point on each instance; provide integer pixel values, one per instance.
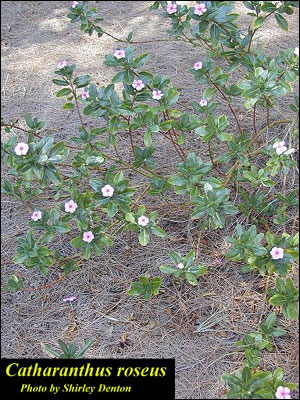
(35, 36)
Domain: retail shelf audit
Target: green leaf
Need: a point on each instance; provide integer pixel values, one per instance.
(277, 300)
(215, 34)
(62, 227)
(68, 106)
(166, 269)
(20, 258)
(57, 153)
(191, 278)
(292, 311)
(189, 258)
(63, 92)
(143, 237)
(82, 81)
(270, 321)
(84, 348)
(96, 184)
(77, 242)
(175, 257)
(157, 231)
(141, 60)
(111, 209)
(118, 77)
(52, 173)
(282, 22)
(258, 22)
(60, 82)
(128, 76)
(94, 160)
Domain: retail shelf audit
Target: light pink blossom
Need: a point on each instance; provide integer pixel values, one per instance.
(280, 147)
(88, 236)
(107, 191)
(138, 84)
(203, 103)
(36, 215)
(85, 94)
(171, 8)
(296, 51)
(143, 221)
(119, 53)
(157, 94)
(200, 9)
(70, 206)
(198, 65)
(277, 253)
(21, 149)
(62, 64)
(73, 4)
(180, 266)
(69, 299)
(283, 393)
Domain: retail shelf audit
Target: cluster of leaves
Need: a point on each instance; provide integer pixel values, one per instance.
(254, 342)
(145, 287)
(248, 246)
(144, 231)
(69, 350)
(246, 384)
(184, 268)
(250, 382)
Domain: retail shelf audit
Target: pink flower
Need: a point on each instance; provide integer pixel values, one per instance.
(88, 236)
(138, 84)
(70, 206)
(200, 9)
(203, 103)
(73, 4)
(283, 393)
(277, 253)
(69, 299)
(172, 8)
(85, 94)
(107, 191)
(198, 65)
(62, 64)
(36, 215)
(157, 94)
(180, 266)
(279, 147)
(143, 221)
(119, 53)
(21, 149)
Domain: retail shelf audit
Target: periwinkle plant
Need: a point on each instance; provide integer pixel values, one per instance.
(97, 198)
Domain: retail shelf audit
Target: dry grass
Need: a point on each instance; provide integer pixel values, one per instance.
(35, 36)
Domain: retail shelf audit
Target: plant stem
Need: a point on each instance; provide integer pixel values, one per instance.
(226, 99)
(254, 123)
(212, 159)
(76, 104)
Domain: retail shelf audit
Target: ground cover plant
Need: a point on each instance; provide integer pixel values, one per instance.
(96, 192)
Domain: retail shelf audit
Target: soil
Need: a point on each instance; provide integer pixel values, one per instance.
(35, 36)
